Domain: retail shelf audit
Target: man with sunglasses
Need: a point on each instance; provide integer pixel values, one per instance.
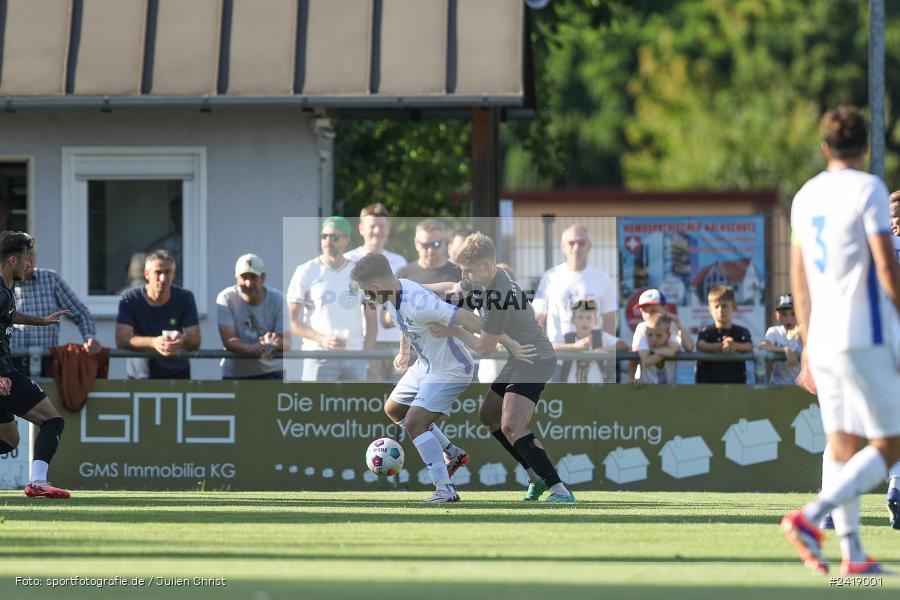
(325, 308)
(434, 265)
(563, 285)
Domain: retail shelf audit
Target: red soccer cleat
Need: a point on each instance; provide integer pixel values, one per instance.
(43, 489)
(453, 464)
(869, 567)
(807, 539)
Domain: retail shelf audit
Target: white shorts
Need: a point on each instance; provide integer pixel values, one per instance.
(434, 394)
(859, 392)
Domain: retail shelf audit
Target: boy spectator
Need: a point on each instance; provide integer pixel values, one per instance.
(722, 336)
(784, 338)
(158, 316)
(325, 308)
(250, 318)
(43, 291)
(375, 228)
(433, 265)
(587, 336)
(652, 302)
(656, 347)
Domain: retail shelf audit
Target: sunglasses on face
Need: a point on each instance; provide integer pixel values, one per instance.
(435, 244)
(333, 236)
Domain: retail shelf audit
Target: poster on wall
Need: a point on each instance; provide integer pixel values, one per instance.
(685, 257)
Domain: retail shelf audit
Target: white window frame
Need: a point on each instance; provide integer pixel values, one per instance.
(83, 163)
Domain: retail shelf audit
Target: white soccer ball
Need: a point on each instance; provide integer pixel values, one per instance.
(384, 457)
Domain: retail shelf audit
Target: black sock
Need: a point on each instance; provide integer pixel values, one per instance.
(509, 448)
(4, 447)
(47, 440)
(537, 458)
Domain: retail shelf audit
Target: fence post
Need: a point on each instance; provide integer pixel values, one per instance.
(548, 240)
(759, 360)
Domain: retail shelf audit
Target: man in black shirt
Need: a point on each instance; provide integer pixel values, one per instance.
(19, 395)
(433, 265)
(722, 336)
(509, 406)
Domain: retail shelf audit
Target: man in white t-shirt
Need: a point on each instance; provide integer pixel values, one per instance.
(845, 280)
(443, 369)
(567, 283)
(326, 309)
(375, 228)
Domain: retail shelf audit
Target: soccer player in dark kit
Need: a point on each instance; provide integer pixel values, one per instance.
(509, 406)
(19, 395)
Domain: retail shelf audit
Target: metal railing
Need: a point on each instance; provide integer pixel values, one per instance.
(759, 357)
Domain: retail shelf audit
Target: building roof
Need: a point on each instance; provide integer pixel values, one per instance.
(687, 448)
(752, 433)
(732, 270)
(316, 53)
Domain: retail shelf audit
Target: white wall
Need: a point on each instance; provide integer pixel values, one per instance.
(262, 166)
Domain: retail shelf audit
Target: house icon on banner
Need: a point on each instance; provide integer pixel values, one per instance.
(491, 474)
(462, 476)
(685, 457)
(751, 442)
(626, 465)
(809, 433)
(575, 468)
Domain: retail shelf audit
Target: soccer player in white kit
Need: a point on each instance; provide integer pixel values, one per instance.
(443, 370)
(845, 279)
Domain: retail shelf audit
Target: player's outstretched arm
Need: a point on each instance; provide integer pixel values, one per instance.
(51, 319)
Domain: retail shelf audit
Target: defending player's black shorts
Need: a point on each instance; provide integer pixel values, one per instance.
(24, 394)
(526, 380)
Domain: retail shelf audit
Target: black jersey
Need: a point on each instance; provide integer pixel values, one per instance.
(7, 316)
(507, 309)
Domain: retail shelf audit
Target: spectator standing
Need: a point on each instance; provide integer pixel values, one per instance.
(587, 336)
(656, 347)
(651, 302)
(433, 265)
(722, 336)
(563, 285)
(375, 228)
(326, 310)
(250, 317)
(159, 316)
(459, 236)
(43, 291)
(895, 221)
(784, 338)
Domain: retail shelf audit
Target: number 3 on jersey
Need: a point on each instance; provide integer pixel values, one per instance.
(819, 223)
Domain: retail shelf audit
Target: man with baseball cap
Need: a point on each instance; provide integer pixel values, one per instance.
(250, 318)
(326, 308)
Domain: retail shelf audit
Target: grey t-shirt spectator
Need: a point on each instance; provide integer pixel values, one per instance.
(178, 313)
(250, 323)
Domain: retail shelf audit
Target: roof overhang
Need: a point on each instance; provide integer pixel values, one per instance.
(354, 55)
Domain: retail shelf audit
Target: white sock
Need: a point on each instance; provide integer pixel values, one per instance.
(39, 470)
(851, 548)
(430, 450)
(892, 484)
(532, 476)
(831, 470)
(560, 490)
(449, 447)
(861, 473)
(894, 475)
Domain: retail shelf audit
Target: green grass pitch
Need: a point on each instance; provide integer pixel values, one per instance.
(271, 546)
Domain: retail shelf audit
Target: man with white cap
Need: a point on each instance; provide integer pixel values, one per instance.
(250, 318)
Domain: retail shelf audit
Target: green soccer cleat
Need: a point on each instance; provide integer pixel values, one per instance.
(535, 489)
(557, 498)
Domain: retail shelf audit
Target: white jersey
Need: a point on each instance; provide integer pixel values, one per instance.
(561, 287)
(385, 334)
(444, 360)
(783, 372)
(331, 302)
(832, 216)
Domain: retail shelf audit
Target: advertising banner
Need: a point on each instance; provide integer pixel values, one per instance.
(221, 435)
(685, 257)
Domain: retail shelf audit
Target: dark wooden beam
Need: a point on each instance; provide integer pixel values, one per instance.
(485, 162)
